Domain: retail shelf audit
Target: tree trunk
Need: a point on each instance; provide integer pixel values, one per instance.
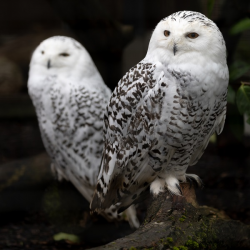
(178, 223)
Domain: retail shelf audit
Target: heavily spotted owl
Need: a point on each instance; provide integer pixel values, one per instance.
(70, 97)
(163, 112)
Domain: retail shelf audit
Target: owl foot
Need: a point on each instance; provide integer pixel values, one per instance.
(157, 186)
(173, 185)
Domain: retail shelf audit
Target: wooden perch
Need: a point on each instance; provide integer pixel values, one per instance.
(179, 223)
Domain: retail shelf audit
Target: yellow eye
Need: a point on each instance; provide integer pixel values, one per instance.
(192, 35)
(166, 33)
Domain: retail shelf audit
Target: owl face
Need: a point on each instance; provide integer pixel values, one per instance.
(188, 33)
(57, 53)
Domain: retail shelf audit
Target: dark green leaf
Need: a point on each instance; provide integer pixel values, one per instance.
(238, 69)
(230, 95)
(243, 99)
(242, 25)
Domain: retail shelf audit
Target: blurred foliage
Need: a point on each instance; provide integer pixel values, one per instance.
(238, 91)
(243, 99)
(241, 26)
(68, 237)
(238, 69)
(240, 96)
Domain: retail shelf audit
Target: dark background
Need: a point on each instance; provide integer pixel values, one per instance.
(116, 34)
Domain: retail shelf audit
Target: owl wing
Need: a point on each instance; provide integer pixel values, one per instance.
(130, 123)
(217, 117)
(76, 122)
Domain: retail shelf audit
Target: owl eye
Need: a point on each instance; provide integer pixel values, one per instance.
(166, 33)
(64, 54)
(42, 52)
(192, 35)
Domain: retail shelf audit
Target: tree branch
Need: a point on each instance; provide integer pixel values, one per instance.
(179, 222)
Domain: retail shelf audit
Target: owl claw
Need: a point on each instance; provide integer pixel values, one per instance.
(190, 181)
(194, 179)
(179, 188)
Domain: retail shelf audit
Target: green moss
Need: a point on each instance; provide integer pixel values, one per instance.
(132, 248)
(203, 238)
(183, 218)
(183, 248)
(192, 244)
(179, 231)
(192, 238)
(170, 239)
(166, 241)
(206, 237)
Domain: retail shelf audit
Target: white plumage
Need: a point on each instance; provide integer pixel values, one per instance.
(70, 98)
(163, 111)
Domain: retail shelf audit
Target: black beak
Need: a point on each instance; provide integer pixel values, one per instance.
(175, 48)
(48, 64)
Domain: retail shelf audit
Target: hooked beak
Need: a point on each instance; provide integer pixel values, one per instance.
(48, 64)
(175, 49)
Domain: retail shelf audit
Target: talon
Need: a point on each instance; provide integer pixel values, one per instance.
(190, 181)
(179, 188)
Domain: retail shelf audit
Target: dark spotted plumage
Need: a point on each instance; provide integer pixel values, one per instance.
(162, 113)
(72, 134)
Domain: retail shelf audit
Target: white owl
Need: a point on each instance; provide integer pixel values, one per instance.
(163, 111)
(70, 97)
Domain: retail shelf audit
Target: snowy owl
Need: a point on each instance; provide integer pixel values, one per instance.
(70, 97)
(163, 111)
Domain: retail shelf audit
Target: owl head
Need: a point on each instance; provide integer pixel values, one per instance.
(61, 54)
(185, 35)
